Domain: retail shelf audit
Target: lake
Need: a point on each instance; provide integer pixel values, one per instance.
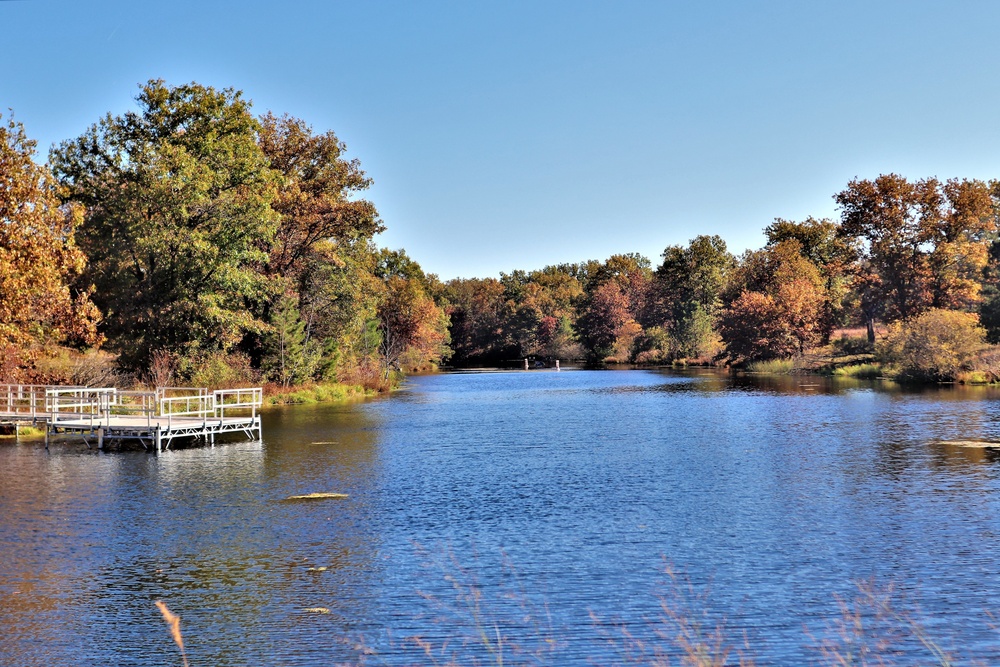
(560, 511)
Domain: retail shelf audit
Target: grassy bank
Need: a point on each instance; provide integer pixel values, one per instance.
(22, 432)
(772, 366)
(315, 393)
(865, 371)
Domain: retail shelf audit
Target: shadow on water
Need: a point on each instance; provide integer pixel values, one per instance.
(89, 540)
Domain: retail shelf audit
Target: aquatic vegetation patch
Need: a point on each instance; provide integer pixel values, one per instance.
(318, 393)
(318, 496)
(772, 366)
(864, 371)
(977, 444)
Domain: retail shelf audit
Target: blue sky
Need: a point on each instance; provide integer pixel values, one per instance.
(518, 134)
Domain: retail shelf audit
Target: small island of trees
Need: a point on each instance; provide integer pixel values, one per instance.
(190, 241)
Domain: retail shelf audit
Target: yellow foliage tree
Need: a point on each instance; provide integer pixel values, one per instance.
(38, 260)
(936, 345)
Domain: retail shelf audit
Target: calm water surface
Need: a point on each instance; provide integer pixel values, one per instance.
(561, 496)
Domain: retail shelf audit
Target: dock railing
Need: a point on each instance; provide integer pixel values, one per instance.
(238, 400)
(187, 406)
(135, 403)
(91, 404)
(23, 400)
(104, 410)
(174, 392)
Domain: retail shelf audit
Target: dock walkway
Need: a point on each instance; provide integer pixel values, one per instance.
(154, 418)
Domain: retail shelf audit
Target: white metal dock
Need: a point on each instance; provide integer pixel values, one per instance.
(153, 418)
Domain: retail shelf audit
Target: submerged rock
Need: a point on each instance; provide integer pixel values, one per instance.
(317, 496)
(981, 444)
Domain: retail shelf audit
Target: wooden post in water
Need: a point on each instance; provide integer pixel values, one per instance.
(100, 438)
(157, 442)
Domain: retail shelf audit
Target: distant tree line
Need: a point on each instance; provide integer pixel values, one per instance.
(190, 234)
(901, 250)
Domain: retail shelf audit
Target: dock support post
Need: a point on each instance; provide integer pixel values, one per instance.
(100, 438)
(525, 364)
(46, 436)
(557, 364)
(17, 432)
(157, 442)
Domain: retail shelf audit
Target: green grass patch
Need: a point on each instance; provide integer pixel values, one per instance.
(23, 432)
(772, 366)
(974, 377)
(319, 393)
(861, 371)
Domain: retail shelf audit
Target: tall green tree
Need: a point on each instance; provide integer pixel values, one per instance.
(322, 249)
(177, 219)
(292, 356)
(685, 294)
(338, 297)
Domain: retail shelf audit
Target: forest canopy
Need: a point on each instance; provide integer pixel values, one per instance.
(190, 234)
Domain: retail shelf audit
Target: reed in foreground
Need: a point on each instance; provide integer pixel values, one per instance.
(174, 623)
(502, 624)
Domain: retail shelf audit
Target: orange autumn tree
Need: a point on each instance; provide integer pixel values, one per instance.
(317, 198)
(38, 261)
(775, 305)
(614, 304)
(412, 327)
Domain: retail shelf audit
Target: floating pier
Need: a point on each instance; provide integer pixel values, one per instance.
(154, 418)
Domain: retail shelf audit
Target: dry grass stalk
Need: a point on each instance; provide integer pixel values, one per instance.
(495, 625)
(174, 623)
(686, 632)
(874, 630)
